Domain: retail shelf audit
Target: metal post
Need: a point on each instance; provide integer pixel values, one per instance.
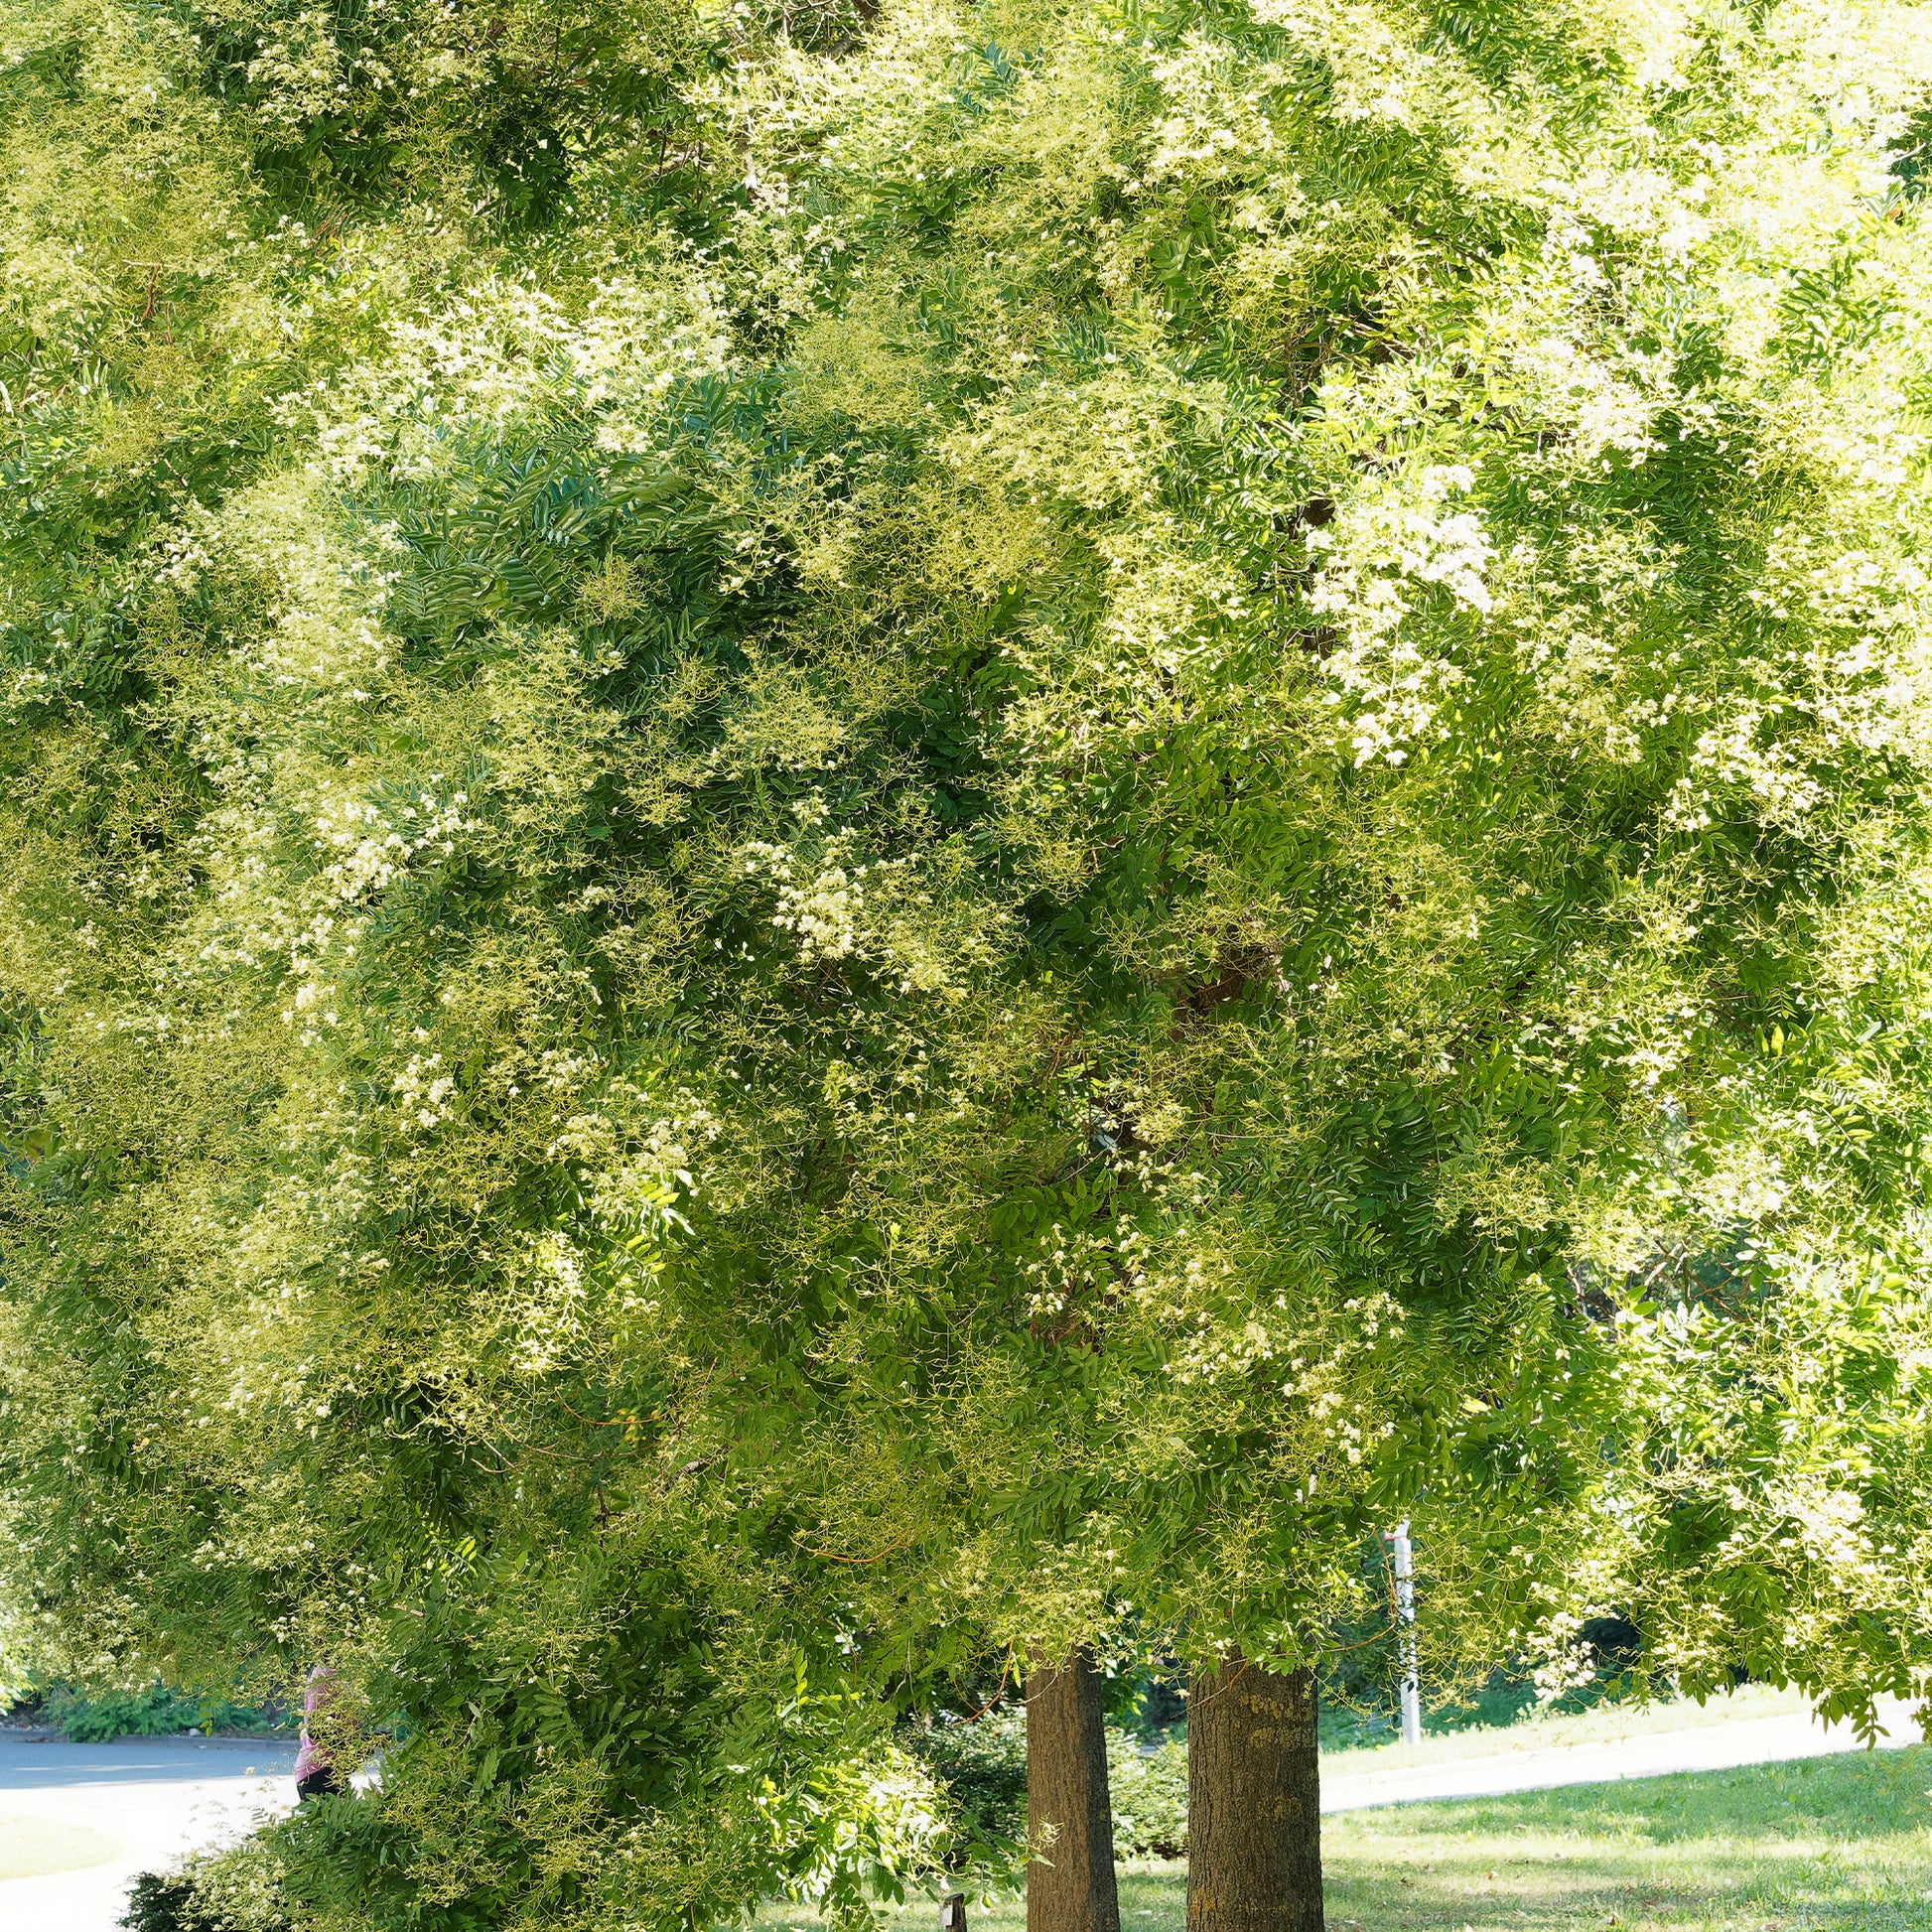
(1405, 1613)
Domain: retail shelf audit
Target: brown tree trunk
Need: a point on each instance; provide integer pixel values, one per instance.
(1070, 1821)
(1254, 1801)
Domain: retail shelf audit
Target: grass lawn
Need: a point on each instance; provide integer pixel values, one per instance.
(1826, 1842)
(27, 1848)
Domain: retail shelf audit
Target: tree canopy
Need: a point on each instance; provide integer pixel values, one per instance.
(843, 835)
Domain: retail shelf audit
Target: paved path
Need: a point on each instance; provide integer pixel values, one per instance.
(1704, 1748)
(158, 1797)
(155, 1797)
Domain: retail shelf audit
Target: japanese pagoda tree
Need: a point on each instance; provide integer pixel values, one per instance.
(845, 839)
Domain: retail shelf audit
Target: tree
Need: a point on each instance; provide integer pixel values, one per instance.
(805, 805)
(1069, 1821)
(1254, 1800)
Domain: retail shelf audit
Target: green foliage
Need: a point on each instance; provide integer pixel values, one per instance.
(981, 1762)
(982, 1765)
(839, 840)
(156, 1903)
(234, 1889)
(1149, 1787)
(155, 1712)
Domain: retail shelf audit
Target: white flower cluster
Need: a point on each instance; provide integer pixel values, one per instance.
(501, 349)
(1564, 1661)
(302, 72)
(320, 634)
(821, 912)
(1216, 111)
(308, 946)
(423, 1092)
(1376, 72)
(373, 846)
(862, 114)
(1377, 562)
(1067, 1264)
(821, 901)
(633, 1161)
(547, 1304)
(186, 550)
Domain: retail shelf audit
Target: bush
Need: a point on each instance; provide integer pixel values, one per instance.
(1149, 1788)
(234, 1889)
(983, 1766)
(155, 1712)
(157, 1903)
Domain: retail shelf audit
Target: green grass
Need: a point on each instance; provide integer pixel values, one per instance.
(1817, 1843)
(29, 1848)
(1821, 1843)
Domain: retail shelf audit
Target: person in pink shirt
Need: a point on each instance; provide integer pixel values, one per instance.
(314, 1769)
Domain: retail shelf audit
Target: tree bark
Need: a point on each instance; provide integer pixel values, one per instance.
(1254, 1801)
(1069, 1820)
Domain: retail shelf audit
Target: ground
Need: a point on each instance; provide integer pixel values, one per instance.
(1814, 1846)
(1820, 1842)
(147, 1800)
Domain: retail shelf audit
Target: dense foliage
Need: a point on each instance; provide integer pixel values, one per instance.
(980, 1766)
(154, 1711)
(233, 1889)
(838, 836)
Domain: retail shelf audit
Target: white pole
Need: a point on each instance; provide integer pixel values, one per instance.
(1405, 1613)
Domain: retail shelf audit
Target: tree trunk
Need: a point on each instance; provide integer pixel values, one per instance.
(1254, 1801)
(1070, 1821)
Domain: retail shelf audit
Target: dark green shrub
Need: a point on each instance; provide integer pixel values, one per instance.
(155, 1712)
(157, 1903)
(1148, 1789)
(983, 1766)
